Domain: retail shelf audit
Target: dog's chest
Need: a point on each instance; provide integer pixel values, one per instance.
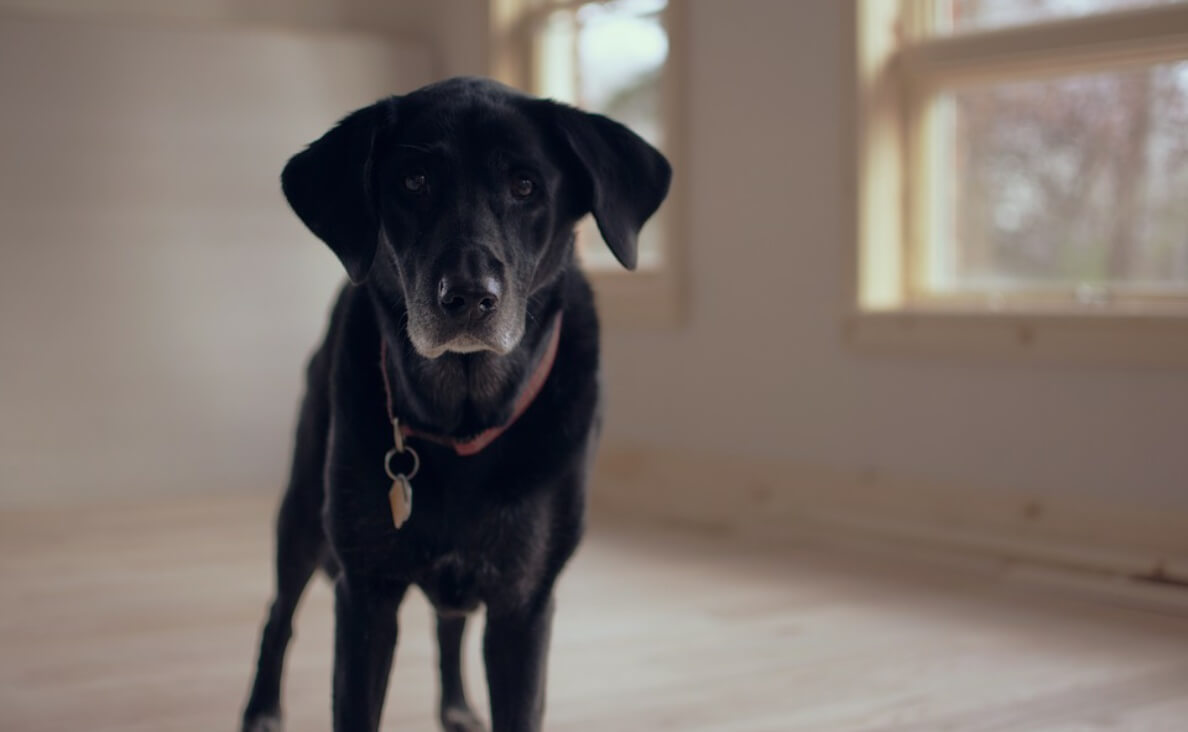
(462, 561)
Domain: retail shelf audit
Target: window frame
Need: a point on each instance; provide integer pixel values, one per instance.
(645, 298)
(896, 79)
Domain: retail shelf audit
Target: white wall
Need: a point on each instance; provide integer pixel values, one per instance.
(157, 297)
(761, 370)
(454, 31)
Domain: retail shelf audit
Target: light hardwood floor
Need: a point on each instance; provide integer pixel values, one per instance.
(144, 617)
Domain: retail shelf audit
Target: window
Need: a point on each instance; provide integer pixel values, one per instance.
(619, 58)
(608, 57)
(1023, 156)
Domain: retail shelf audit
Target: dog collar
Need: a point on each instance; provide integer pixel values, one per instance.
(476, 444)
(400, 495)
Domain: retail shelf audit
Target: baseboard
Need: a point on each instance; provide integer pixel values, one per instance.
(776, 499)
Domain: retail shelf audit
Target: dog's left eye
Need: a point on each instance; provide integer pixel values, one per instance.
(415, 183)
(522, 187)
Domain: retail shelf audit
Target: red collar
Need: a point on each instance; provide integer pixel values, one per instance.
(476, 444)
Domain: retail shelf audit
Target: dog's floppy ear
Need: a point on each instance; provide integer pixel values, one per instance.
(328, 184)
(627, 179)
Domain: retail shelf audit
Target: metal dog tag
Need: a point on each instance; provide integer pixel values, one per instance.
(400, 497)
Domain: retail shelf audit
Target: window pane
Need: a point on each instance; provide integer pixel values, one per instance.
(1075, 184)
(608, 57)
(966, 15)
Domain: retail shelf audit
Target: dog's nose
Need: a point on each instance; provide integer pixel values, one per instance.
(461, 297)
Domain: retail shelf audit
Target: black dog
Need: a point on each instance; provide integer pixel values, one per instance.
(468, 331)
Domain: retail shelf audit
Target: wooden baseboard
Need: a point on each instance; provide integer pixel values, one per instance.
(777, 500)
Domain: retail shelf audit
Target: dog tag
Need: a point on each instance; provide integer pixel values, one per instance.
(401, 499)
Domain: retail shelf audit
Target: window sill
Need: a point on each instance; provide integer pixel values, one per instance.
(1094, 338)
(640, 300)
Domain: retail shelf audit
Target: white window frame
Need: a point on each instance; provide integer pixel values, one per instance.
(646, 298)
(898, 69)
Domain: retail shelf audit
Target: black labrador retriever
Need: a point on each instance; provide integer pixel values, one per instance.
(451, 413)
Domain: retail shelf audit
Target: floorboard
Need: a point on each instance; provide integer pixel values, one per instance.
(144, 617)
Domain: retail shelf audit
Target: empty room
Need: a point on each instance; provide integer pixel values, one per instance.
(594, 365)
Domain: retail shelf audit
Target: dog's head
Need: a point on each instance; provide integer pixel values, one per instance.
(461, 199)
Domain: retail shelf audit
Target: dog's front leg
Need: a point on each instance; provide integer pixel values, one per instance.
(364, 642)
(515, 650)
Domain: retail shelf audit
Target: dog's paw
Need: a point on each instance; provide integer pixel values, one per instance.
(264, 723)
(461, 719)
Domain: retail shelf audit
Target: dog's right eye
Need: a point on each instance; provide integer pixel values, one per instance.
(415, 183)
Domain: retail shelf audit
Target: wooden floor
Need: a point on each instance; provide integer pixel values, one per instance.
(145, 618)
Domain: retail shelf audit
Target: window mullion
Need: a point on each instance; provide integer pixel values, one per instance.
(1091, 43)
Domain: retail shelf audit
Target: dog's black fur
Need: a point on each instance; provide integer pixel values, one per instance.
(453, 210)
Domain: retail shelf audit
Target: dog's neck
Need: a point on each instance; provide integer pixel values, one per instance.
(461, 395)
